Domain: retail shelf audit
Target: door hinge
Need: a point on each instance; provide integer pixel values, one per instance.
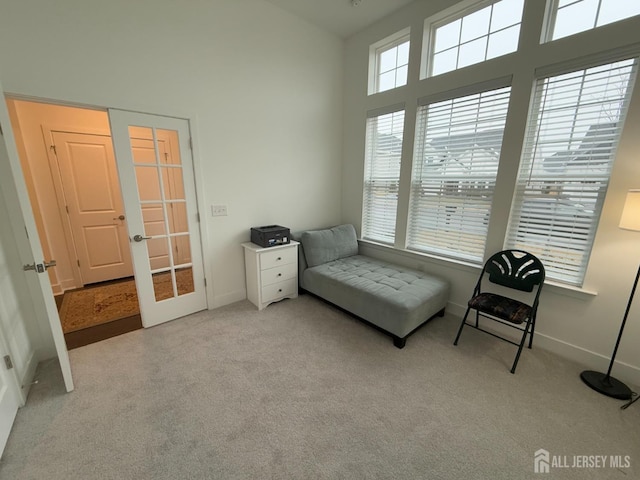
(26, 231)
(205, 282)
(8, 362)
(190, 144)
(67, 208)
(1, 132)
(198, 216)
(53, 147)
(78, 262)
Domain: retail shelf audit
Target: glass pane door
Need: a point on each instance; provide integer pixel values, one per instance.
(156, 166)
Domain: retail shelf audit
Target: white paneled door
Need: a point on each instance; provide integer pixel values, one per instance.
(94, 205)
(8, 399)
(158, 187)
(28, 243)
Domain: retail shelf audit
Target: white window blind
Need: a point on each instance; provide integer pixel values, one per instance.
(382, 176)
(456, 157)
(567, 157)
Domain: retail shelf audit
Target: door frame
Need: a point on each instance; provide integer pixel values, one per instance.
(198, 167)
(19, 218)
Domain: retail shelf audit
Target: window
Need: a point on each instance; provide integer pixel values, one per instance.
(458, 144)
(567, 157)
(391, 62)
(382, 176)
(569, 17)
(486, 33)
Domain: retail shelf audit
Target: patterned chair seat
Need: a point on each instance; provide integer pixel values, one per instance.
(501, 307)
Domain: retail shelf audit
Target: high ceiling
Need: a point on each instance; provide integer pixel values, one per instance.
(340, 16)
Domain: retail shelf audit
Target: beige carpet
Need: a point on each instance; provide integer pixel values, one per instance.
(95, 305)
(300, 390)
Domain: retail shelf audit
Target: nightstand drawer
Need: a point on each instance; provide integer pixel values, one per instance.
(280, 289)
(271, 273)
(278, 257)
(278, 274)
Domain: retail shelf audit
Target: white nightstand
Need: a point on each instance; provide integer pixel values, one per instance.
(272, 273)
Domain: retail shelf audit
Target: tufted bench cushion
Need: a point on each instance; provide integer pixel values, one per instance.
(394, 298)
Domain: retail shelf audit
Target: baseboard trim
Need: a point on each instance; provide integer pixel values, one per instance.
(69, 284)
(228, 298)
(456, 309)
(591, 360)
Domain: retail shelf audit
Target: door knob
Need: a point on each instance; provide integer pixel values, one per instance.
(50, 264)
(139, 238)
(39, 267)
(121, 217)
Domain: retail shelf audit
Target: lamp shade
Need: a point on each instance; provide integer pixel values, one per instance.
(630, 219)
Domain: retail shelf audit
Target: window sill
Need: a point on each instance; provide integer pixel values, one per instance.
(569, 290)
(415, 255)
(551, 286)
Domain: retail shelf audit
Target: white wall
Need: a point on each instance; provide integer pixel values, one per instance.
(28, 120)
(263, 90)
(575, 324)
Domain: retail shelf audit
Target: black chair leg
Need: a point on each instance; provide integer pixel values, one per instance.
(533, 329)
(524, 337)
(464, 320)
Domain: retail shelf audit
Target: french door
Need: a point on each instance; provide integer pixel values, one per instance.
(25, 231)
(155, 167)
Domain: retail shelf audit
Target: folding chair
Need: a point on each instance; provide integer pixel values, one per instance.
(518, 270)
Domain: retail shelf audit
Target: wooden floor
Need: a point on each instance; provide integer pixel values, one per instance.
(100, 332)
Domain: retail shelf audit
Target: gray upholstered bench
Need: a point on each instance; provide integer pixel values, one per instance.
(395, 299)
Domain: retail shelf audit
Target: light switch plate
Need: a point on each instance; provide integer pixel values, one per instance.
(218, 210)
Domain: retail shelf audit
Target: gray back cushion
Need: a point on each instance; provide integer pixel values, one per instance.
(322, 246)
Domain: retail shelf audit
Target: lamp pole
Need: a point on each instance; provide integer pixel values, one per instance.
(605, 383)
(601, 382)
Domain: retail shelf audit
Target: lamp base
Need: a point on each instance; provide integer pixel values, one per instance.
(606, 385)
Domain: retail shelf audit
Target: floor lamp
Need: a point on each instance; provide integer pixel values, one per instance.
(601, 382)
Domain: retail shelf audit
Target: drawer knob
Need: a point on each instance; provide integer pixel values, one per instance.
(279, 274)
(279, 258)
(279, 290)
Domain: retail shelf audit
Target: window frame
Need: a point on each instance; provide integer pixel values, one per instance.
(551, 14)
(531, 58)
(445, 17)
(533, 116)
(372, 115)
(376, 50)
(424, 103)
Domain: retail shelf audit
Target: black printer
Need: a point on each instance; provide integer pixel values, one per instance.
(270, 235)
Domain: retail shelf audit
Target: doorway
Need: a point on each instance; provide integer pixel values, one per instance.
(71, 175)
(144, 265)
